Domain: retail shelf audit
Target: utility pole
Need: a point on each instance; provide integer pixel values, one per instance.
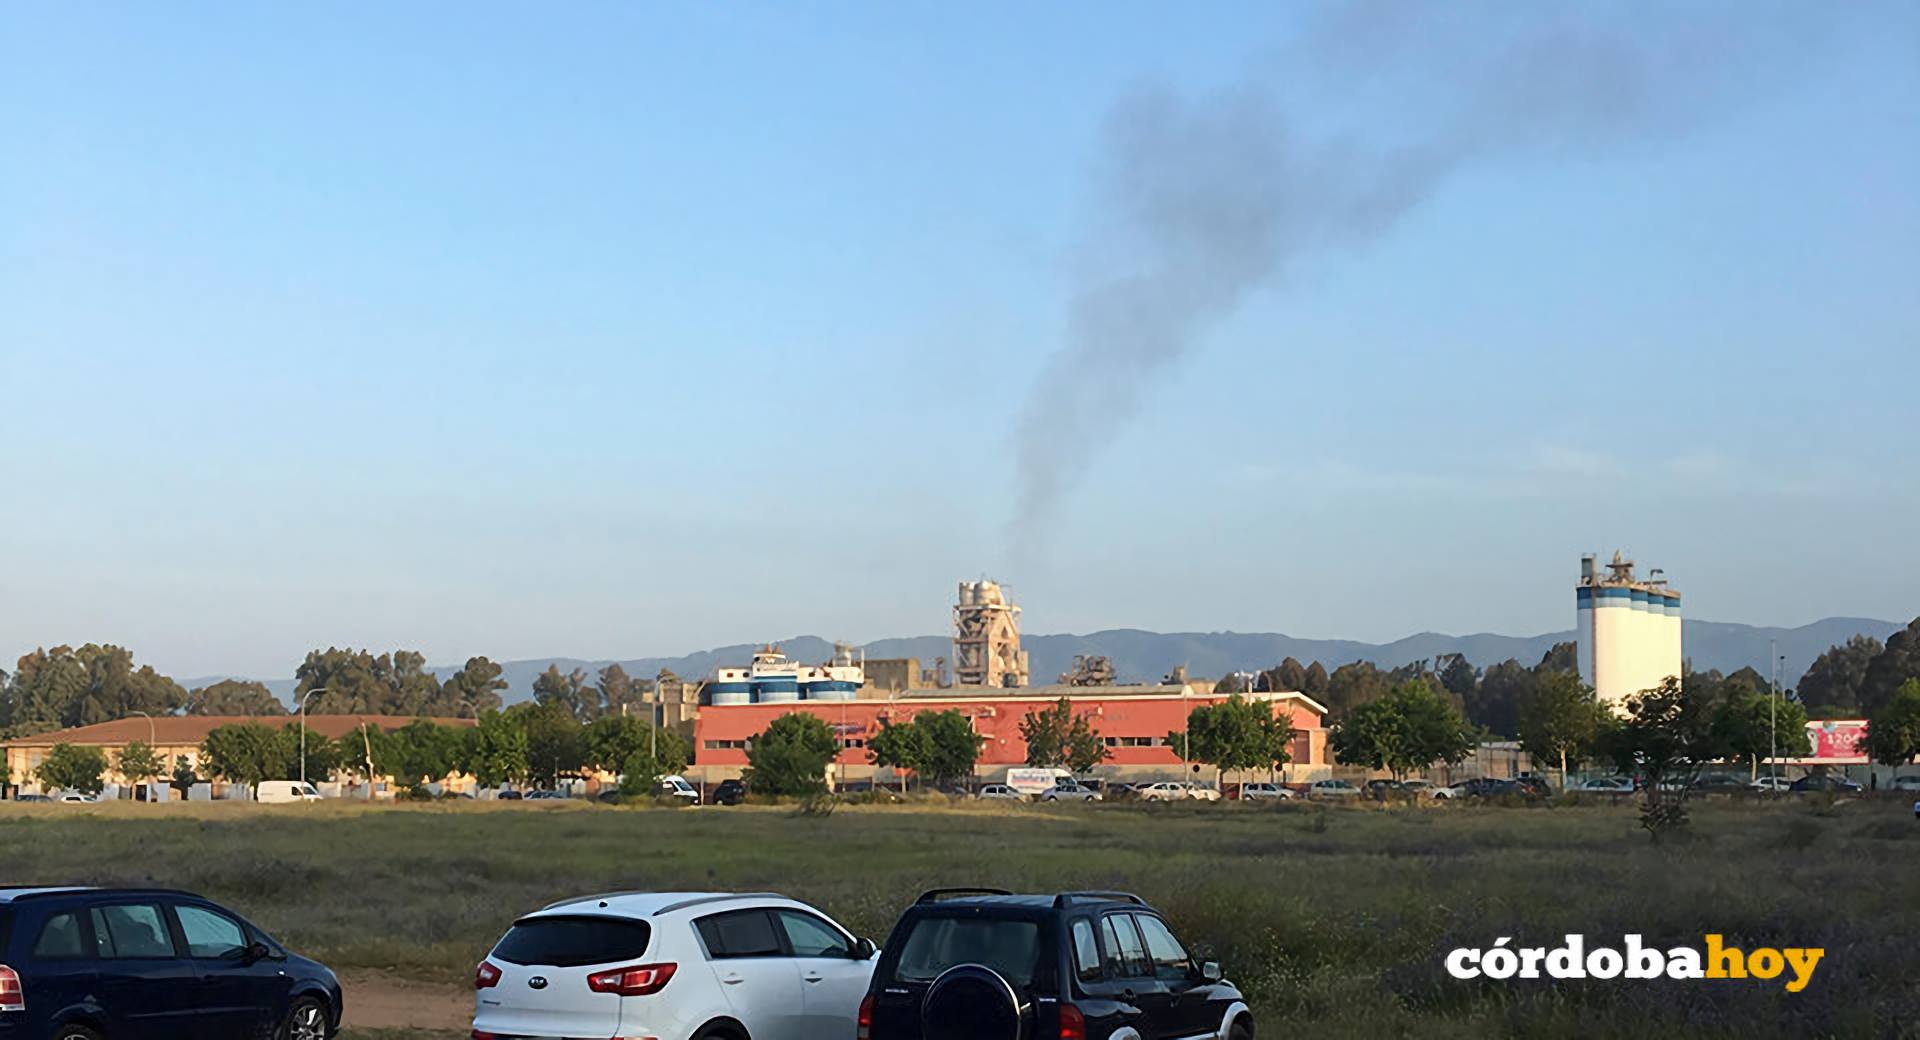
(303, 733)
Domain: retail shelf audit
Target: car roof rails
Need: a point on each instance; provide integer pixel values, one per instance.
(1066, 899)
(935, 895)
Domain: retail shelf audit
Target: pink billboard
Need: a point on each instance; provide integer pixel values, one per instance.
(1836, 742)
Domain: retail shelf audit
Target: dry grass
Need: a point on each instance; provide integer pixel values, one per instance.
(1337, 918)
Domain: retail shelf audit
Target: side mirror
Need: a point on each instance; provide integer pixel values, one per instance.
(254, 953)
(864, 950)
(1210, 971)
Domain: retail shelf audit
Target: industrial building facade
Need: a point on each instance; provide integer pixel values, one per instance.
(1134, 722)
(1628, 629)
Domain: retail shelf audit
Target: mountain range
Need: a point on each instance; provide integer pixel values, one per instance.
(1140, 656)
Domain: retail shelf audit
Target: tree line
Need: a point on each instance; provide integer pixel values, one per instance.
(65, 687)
(528, 745)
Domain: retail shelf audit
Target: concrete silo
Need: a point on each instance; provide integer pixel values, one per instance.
(1628, 629)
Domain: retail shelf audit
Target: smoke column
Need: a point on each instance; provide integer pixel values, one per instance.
(1210, 198)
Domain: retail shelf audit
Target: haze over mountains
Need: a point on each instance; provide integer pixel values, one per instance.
(1140, 656)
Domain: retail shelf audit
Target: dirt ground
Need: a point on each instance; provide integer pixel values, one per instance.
(374, 1001)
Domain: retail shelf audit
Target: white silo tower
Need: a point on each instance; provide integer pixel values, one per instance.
(1628, 629)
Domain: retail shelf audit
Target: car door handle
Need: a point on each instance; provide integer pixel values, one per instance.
(812, 976)
(733, 980)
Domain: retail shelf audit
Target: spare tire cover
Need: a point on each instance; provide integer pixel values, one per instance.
(971, 1002)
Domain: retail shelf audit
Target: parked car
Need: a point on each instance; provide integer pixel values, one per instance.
(981, 964)
(1000, 792)
(1164, 791)
(709, 966)
(1614, 786)
(730, 792)
(1332, 789)
(1069, 791)
(1771, 782)
(509, 796)
(93, 963)
(1829, 782)
(1478, 787)
(1532, 786)
(545, 796)
(283, 791)
(77, 798)
(677, 787)
(1720, 782)
(31, 798)
(1264, 792)
(1202, 792)
(1381, 789)
(1418, 786)
(1904, 783)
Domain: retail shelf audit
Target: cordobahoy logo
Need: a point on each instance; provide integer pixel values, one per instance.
(1572, 960)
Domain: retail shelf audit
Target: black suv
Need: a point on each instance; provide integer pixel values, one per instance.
(983, 964)
(88, 963)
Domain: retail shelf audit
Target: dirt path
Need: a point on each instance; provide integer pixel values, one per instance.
(377, 1002)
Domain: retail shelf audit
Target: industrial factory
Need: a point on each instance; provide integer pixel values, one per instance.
(991, 684)
(1628, 629)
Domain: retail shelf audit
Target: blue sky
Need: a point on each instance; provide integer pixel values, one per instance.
(625, 329)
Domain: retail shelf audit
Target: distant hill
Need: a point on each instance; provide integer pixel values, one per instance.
(1140, 656)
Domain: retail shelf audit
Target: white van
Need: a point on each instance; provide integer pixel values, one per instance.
(280, 791)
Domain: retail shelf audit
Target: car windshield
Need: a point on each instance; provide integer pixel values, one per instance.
(1010, 947)
(567, 942)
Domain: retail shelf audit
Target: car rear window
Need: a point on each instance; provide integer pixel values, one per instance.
(570, 942)
(1010, 947)
(60, 939)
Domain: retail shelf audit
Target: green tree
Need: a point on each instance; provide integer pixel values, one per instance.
(1560, 657)
(1561, 721)
(234, 697)
(1495, 703)
(790, 756)
(1317, 681)
(182, 778)
(1897, 662)
(73, 767)
(1280, 735)
(617, 692)
(138, 763)
(1409, 728)
(420, 752)
(1352, 685)
(609, 742)
(1459, 677)
(568, 692)
(1750, 724)
(953, 746)
(475, 689)
(356, 682)
(555, 745)
(1057, 737)
(903, 747)
(1837, 677)
(640, 774)
(64, 687)
(1893, 734)
(1232, 736)
(495, 751)
(324, 757)
(243, 753)
(1666, 738)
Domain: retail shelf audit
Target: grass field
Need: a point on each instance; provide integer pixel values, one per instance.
(1333, 921)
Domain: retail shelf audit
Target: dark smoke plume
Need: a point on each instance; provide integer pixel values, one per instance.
(1210, 198)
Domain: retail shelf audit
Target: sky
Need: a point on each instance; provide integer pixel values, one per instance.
(622, 329)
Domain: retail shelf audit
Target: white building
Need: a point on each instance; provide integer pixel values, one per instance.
(1629, 630)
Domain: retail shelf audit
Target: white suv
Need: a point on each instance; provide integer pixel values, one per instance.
(673, 965)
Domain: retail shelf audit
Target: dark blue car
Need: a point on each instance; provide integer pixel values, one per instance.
(151, 964)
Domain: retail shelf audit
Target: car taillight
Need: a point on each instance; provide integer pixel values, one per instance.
(866, 1019)
(12, 996)
(486, 976)
(638, 981)
(478, 1035)
(1073, 1024)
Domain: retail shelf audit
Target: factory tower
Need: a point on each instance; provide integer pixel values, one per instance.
(986, 638)
(1629, 629)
